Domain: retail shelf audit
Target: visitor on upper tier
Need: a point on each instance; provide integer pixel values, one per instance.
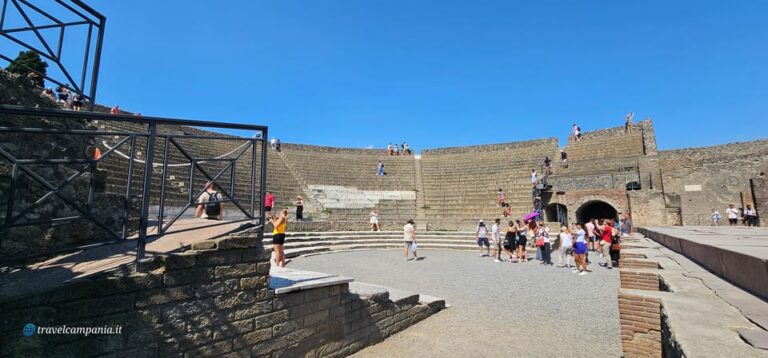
(269, 200)
(397, 150)
(628, 123)
(409, 236)
(547, 166)
(299, 208)
(626, 225)
(750, 216)
(576, 132)
(406, 149)
(115, 110)
(733, 215)
(506, 211)
(48, 92)
(715, 217)
(534, 177)
(380, 169)
(277, 144)
(482, 238)
(563, 158)
(77, 102)
(390, 151)
(62, 95)
(273, 143)
(209, 204)
(502, 198)
(374, 221)
(496, 240)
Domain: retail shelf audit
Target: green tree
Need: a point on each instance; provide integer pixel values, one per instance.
(29, 60)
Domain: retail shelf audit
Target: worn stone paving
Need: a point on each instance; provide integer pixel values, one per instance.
(497, 309)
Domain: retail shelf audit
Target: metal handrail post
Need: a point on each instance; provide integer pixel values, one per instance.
(263, 184)
(146, 193)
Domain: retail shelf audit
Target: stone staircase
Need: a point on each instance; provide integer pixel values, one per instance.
(312, 243)
(421, 203)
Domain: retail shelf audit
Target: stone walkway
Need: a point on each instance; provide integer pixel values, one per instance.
(497, 309)
(58, 270)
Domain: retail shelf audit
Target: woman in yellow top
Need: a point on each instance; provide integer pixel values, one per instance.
(278, 236)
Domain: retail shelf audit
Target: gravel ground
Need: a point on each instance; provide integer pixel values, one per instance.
(497, 309)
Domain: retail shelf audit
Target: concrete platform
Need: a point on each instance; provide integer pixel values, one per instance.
(44, 275)
(738, 254)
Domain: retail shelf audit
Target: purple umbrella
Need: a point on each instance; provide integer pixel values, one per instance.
(531, 216)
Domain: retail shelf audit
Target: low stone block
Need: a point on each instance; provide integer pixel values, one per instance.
(254, 282)
(186, 276)
(237, 270)
(82, 288)
(204, 245)
(211, 350)
(215, 288)
(161, 296)
(271, 319)
(218, 257)
(241, 242)
(252, 339)
(238, 299)
(252, 310)
(116, 285)
(179, 261)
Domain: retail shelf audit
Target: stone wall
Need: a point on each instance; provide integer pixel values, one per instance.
(760, 194)
(548, 142)
(211, 301)
(702, 179)
(647, 207)
(640, 318)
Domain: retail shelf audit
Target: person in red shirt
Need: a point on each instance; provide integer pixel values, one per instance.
(269, 200)
(607, 231)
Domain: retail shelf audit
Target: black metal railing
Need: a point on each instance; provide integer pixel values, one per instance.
(187, 139)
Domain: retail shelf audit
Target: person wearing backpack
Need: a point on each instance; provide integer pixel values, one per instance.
(209, 204)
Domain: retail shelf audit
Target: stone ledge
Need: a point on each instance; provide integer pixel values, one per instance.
(287, 281)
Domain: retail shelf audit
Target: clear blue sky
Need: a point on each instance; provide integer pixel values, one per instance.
(443, 73)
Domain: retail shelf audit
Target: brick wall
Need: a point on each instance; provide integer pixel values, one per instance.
(211, 301)
(641, 329)
(639, 280)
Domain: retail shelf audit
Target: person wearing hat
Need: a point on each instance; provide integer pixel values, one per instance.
(409, 231)
(482, 238)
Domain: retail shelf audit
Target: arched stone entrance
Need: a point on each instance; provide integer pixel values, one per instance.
(556, 212)
(596, 209)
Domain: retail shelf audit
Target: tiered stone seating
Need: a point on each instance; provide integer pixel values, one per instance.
(320, 168)
(312, 243)
(613, 144)
(461, 184)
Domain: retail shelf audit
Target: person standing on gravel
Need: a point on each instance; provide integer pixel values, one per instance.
(522, 240)
(482, 238)
(543, 235)
(606, 238)
(374, 221)
(566, 248)
(409, 236)
(496, 240)
(733, 215)
(580, 250)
